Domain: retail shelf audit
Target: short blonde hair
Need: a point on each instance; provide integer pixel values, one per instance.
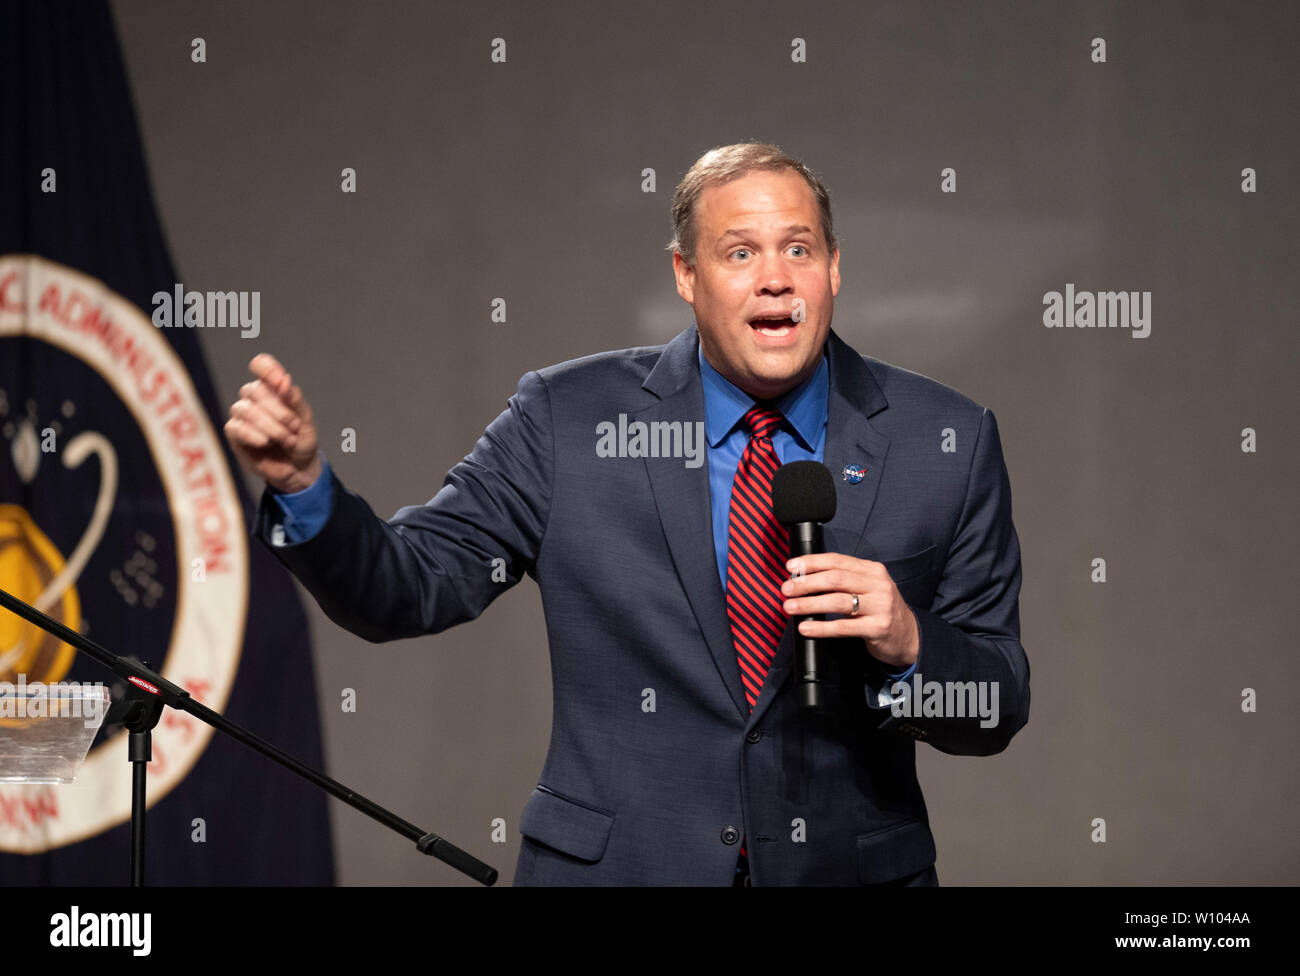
(722, 164)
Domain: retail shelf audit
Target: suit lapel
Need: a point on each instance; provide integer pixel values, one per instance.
(681, 495)
(852, 440)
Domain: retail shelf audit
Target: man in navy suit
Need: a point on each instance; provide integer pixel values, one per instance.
(680, 752)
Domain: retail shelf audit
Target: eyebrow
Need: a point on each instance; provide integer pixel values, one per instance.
(748, 231)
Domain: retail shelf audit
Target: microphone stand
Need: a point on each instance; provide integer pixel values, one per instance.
(140, 712)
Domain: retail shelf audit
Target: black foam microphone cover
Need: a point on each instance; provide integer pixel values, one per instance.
(803, 491)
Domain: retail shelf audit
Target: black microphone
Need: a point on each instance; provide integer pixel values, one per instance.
(803, 497)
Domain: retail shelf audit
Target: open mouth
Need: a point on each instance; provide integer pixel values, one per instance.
(774, 326)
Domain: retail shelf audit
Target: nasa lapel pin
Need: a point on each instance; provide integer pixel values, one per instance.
(854, 473)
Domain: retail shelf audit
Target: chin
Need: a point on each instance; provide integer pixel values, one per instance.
(772, 386)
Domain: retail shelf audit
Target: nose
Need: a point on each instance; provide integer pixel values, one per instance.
(773, 275)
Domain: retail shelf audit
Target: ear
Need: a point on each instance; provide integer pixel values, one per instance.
(835, 272)
(685, 275)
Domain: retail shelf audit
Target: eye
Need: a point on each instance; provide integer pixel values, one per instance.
(802, 248)
(740, 250)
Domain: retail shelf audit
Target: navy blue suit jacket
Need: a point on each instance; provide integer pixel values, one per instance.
(622, 551)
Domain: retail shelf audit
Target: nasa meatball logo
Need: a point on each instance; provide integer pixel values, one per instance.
(120, 518)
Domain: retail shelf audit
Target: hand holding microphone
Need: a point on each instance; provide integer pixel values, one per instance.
(803, 499)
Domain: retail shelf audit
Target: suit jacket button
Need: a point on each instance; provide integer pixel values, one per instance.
(730, 835)
(753, 735)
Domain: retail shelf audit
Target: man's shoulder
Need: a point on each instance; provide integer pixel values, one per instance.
(613, 365)
(909, 391)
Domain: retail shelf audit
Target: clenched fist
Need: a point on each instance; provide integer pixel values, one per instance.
(271, 429)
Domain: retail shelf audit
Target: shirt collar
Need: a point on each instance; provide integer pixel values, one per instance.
(725, 404)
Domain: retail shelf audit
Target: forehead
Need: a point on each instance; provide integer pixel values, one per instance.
(758, 197)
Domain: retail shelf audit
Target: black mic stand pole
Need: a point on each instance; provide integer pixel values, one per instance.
(141, 713)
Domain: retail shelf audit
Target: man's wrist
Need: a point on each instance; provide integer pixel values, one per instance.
(911, 647)
(301, 481)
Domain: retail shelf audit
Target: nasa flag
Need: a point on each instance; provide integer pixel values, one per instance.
(121, 512)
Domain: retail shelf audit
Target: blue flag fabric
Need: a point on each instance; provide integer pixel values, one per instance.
(121, 510)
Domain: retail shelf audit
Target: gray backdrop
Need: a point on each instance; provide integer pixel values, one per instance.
(522, 180)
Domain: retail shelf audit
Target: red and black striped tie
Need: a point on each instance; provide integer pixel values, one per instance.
(757, 550)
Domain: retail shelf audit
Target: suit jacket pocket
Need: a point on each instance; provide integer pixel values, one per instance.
(916, 565)
(895, 851)
(566, 825)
